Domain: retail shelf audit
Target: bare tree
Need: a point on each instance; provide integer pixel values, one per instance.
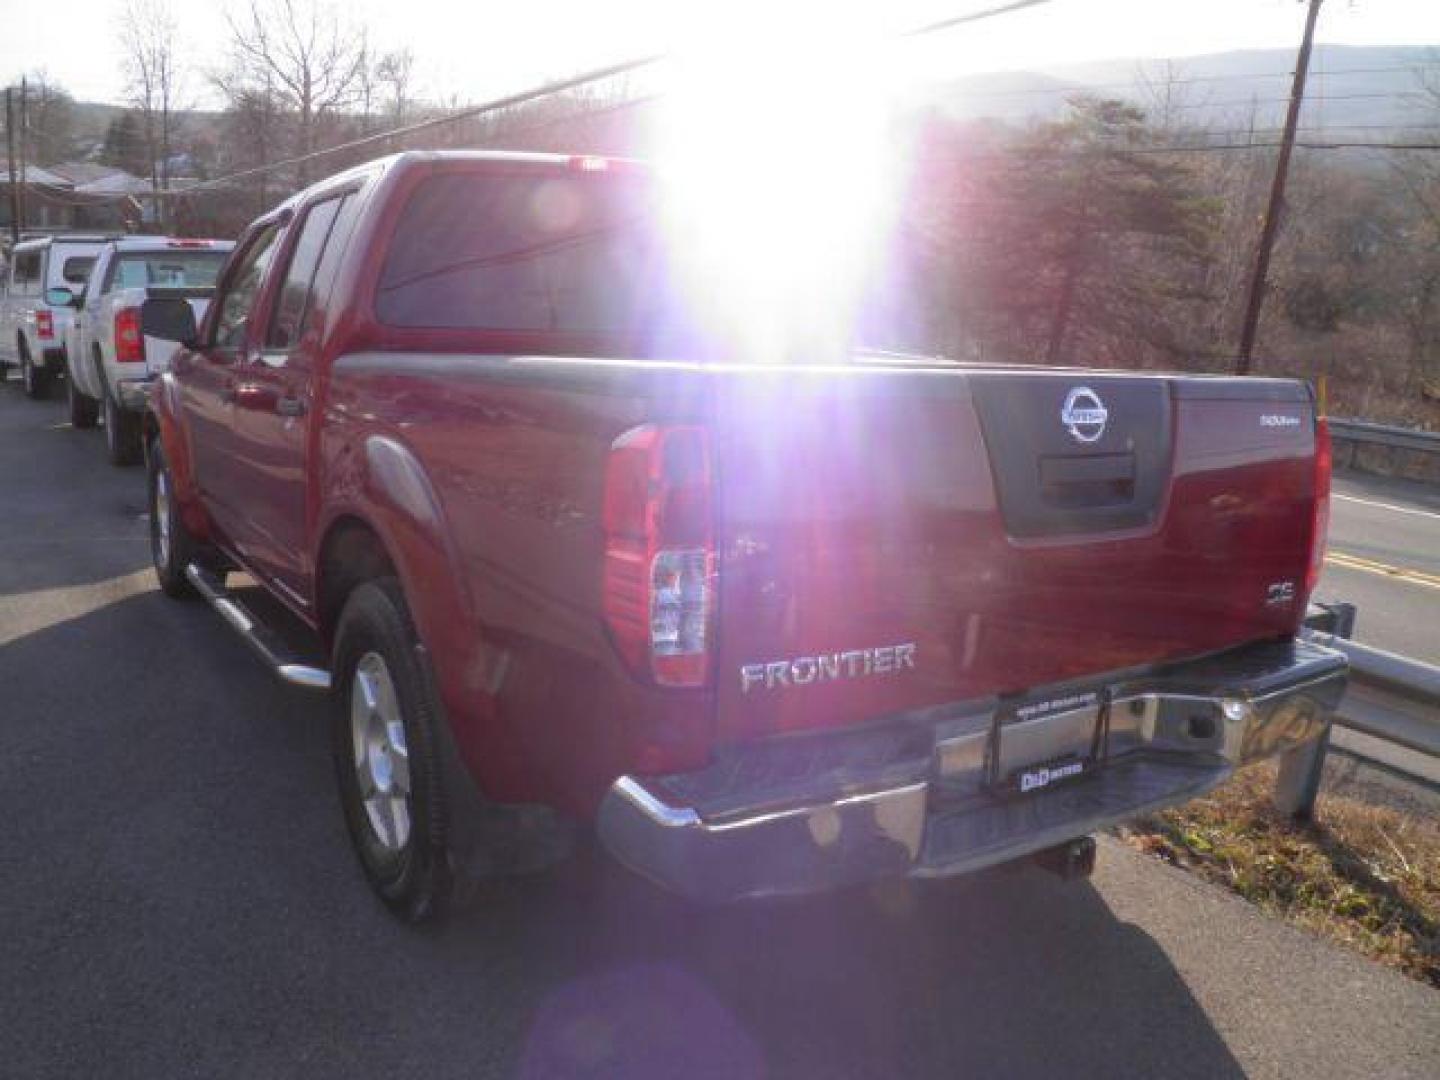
(367, 83)
(1416, 285)
(311, 55)
(48, 136)
(147, 35)
(396, 70)
(1165, 94)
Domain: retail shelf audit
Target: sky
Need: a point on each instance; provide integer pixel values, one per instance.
(469, 51)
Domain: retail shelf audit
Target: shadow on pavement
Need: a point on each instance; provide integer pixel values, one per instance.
(181, 898)
(67, 517)
(1005, 973)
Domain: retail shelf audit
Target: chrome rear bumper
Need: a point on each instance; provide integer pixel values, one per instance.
(925, 796)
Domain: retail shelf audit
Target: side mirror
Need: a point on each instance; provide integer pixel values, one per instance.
(169, 319)
(61, 298)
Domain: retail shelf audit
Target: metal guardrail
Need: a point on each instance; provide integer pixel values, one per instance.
(1397, 438)
(1389, 697)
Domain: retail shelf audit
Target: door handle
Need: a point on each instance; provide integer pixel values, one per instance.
(290, 406)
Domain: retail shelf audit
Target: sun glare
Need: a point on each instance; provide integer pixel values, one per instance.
(779, 169)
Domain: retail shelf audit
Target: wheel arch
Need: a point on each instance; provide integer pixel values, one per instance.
(97, 370)
(351, 553)
(395, 508)
(160, 423)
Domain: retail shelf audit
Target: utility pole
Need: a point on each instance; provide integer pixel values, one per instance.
(24, 130)
(1256, 299)
(12, 176)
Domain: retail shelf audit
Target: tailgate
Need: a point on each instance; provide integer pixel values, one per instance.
(896, 538)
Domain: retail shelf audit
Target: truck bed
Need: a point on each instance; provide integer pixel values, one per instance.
(890, 536)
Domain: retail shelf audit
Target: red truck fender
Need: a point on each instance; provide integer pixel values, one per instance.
(162, 424)
(384, 488)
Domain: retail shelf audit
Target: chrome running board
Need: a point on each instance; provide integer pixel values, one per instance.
(265, 643)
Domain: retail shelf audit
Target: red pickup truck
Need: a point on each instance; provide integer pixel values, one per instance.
(768, 628)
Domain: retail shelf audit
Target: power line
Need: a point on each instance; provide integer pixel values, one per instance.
(1322, 98)
(559, 86)
(1205, 148)
(972, 17)
(494, 105)
(1161, 81)
(1322, 128)
(1305, 144)
(631, 66)
(1367, 146)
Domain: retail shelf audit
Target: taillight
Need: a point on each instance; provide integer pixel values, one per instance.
(659, 583)
(1320, 525)
(129, 342)
(45, 324)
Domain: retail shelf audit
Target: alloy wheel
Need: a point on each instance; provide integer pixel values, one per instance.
(161, 515)
(381, 756)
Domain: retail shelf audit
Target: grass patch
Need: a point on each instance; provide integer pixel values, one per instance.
(1365, 875)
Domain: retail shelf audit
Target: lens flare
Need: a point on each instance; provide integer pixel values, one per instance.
(778, 166)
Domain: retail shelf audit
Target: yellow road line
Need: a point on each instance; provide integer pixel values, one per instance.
(1370, 566)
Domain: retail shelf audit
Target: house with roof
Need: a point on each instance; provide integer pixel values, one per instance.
(76, 195)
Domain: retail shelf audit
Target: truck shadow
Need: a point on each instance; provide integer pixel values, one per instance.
(1010, 972)
(175, 830)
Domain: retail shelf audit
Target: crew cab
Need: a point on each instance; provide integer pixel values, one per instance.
(560, 562)
(109, 363)
(32, 329)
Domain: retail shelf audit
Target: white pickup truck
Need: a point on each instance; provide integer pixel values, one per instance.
(32, 330)
(110, 363)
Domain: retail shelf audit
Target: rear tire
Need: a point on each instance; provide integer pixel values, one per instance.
(122, 434)
(35, 382)
(384, 740)
(172, 548)
(84, 409)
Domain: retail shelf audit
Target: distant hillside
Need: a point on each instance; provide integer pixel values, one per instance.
(1353, 92)
(1351, 89)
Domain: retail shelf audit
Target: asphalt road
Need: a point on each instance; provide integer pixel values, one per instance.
(1384, 557)
(180, 899)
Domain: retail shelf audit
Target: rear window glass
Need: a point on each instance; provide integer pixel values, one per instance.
(76, 269)
(168, 269)
(27, 268)
(572, 253)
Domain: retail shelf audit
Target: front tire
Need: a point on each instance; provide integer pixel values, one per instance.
(122, 434)
(84, 409)
(172, 548)
(383, 733)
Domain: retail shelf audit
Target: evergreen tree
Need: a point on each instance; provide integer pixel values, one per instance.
(124, 145)
(1094, 242)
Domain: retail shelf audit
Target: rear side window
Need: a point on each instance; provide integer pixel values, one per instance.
(27, 272)
(289, 318)
(167, 269)
(243, 289)
(569, 252)
(76, 269)
(335, 247)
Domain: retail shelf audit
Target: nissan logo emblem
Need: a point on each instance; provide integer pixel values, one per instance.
(1084, 415)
